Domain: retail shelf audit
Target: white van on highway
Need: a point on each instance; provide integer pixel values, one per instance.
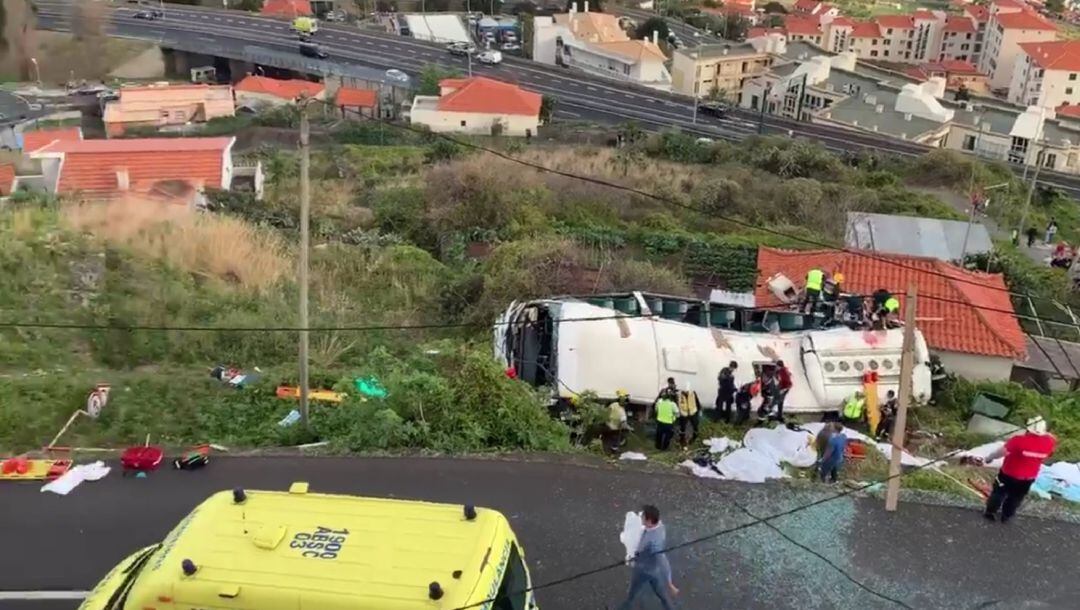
(490, 57)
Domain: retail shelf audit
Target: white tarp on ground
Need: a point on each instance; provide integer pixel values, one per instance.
(765, 451)
(71, 479)
(634, 456)
(437, 28)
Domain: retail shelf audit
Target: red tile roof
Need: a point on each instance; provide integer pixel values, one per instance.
(865, 29)
(953, 66)
(959, 24)
(1054, 55)
(959, 307)
(923, 15)
(804, 26)
(7, 179)
(903, 22)
(34, 140)
(1070, 111)
(91, 165)
(364, 98)
(287, 8)
(489, 96)
(806, 6)
(844, 21)
(978, 12)
(1024, 20)
(1010, 4)
(285, 89)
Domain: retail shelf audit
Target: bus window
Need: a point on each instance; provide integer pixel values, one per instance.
(512, 594)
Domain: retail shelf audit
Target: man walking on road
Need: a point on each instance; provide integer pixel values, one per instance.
(650, 567)
(1024, 456)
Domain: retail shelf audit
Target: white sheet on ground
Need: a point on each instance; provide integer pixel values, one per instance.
(1063, 471)
(750, 465)
(782, 445)
(701, 471)
(72, 478)
(632, 455)
(722, 444)
(630, 536)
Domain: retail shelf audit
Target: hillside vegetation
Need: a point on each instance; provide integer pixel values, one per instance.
(407, 231)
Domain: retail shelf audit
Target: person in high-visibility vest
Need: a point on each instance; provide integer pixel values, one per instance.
(855, 408)
(666, 412)
(615, 435)
(689, 417)
(815, 279)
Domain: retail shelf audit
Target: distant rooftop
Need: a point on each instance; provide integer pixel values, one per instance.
(727, 49)
(915, 236)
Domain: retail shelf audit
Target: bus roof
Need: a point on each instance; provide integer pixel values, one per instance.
(305, 550)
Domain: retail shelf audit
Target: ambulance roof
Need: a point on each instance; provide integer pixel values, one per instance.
(305, 550)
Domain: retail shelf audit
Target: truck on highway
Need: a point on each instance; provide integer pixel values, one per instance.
(273, 550)
(305, 26)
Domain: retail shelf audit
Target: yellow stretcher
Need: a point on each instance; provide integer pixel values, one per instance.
(873, 409)
(23, 468)
(286, 391)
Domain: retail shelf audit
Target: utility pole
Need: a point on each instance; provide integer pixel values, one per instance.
(305, 241)
(907, 364)
(1031, 190)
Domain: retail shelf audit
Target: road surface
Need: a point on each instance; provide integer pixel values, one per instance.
(568, 517)
(580, 95)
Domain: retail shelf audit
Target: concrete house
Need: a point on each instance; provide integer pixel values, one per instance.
(966, 316)
(259, 91)
(163, 105)
(1046, 74)
(1007, 28)
(701, 70)
(478, 105)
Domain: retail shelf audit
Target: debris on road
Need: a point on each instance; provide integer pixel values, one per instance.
(74, 477)
(633, 456)
(287, 391)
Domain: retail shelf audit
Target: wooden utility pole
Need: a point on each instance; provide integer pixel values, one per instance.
(305, 239)
(907, 364)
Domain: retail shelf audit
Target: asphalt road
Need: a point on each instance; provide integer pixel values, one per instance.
(689, 36)
(568, 517)
(578, 93)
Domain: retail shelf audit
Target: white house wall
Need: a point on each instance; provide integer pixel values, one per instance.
(975, 367)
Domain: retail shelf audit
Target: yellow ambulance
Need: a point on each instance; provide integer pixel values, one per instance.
(267, 550)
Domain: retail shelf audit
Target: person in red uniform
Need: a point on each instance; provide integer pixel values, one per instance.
(783, 380)
(1024, 456)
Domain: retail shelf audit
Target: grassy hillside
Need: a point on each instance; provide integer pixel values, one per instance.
(406, 231)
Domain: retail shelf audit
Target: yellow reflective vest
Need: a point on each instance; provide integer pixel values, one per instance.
(616, 416)
(814, 279)
(688, 404)
(853, 408)
(666, 411)
(892, 305)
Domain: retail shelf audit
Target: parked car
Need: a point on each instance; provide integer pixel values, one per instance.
(308, 49)
(490, 57)
(149, 15)
(510, 46)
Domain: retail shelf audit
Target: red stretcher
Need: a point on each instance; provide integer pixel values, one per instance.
(142, 459)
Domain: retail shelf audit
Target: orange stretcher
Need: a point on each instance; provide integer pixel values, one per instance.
(288, 391)
(24, 468)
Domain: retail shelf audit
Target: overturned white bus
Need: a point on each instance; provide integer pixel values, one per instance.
(635, 341)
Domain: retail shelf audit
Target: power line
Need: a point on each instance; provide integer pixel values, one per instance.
(679, 204)
(743, 526)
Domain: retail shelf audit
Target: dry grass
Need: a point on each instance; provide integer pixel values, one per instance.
(219, 247)
(606, 163)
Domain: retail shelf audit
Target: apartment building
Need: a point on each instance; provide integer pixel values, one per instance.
(700, 71)
(810, 84)
(1007, 28)
(595, 43)
(960, 39)
(1046, 74)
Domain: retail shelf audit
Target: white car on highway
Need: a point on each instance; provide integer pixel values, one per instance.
(489, 57)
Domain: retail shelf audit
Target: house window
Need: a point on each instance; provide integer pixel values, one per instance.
(463, 123)
(873, 53)
(963, 47)
(886, 52)
(1072, 76)
(1049, 160)
(1068, 91)
(164, 114)
(873, 42)
(969, 142)
(968, 36)
(888, 31)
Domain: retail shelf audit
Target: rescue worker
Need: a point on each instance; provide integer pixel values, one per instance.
(617, 425)
(689, 417)
(666, 412)
(888, 416)
(670, 390)
(815, 279)
(1024, 455)
(833, 458)
(742, 400)
(725, 394)
(854, 411)
(783, 386)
